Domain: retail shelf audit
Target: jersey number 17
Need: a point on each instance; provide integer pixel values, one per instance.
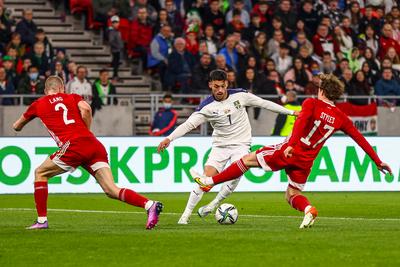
(317, 123)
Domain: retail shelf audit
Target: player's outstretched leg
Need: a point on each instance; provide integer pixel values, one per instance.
(226, 189)
(153, 208)
(42, 174)
(301, 203)
(234, 171)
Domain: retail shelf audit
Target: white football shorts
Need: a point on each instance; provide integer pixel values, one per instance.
(221, 155)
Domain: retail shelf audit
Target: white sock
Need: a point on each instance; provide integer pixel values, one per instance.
(148, 204)
(208, 181)
(194, 199)
(307, 209)
(226, 189)
(42, 219)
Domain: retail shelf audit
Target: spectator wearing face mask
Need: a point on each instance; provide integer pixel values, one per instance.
(165, 119)
(31, 85)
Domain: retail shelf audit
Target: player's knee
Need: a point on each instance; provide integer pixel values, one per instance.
(247, 160)
(250, 160)
(111, 193)
(39, 174)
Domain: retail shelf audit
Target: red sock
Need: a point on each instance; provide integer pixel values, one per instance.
(132, 198)
(235, 170)
(41, 194)
(299, 202)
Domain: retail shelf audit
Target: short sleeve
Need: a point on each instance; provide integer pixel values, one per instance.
(77, 98)
(31, 112)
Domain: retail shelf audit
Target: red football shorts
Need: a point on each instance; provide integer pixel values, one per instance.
(87, 152)
(271, 158)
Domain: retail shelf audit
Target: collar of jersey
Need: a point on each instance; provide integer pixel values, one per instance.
(328, 103)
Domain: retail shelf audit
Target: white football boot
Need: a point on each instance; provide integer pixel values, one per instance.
(310, 215)
(205, 211)
(184, 219)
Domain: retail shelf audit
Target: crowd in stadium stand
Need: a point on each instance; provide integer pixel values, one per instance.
(28, 57)
(267, 47)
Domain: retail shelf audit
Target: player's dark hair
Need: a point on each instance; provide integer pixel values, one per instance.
(331, 86)
(218, 75)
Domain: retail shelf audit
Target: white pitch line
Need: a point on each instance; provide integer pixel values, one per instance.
(178, 214)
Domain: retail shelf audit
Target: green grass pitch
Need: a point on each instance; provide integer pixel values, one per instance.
(354, 229)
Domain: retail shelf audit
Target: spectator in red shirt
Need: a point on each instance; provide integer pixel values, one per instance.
(140, 35)
(263, 11)
(324, 42)
(165, 119)
(387, 41)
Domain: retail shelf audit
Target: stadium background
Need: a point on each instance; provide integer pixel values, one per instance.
(79, 28)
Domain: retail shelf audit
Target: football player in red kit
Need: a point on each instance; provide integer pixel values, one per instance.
(318, 120)
(68, 117)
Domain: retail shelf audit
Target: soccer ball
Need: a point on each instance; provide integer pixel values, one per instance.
(226, 214)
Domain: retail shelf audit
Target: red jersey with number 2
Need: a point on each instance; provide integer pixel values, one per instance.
(317, 121)
(61, 116)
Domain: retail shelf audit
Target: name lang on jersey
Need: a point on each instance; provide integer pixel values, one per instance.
(55, 99)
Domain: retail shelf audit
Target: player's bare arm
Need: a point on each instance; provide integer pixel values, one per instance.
(86, 113)
(20, 123)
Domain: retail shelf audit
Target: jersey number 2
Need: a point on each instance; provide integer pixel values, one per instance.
(317, 123)
(65, 113)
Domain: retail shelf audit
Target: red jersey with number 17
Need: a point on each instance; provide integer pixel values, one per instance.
(317, 121)
(61, 116)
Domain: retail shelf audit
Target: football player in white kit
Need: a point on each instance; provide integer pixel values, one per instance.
(226, 111)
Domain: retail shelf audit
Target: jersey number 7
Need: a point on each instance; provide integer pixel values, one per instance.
(317, 123)
(65, 113)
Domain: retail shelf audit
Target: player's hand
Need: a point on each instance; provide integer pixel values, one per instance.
(288, 152)
(385, 168)
(163, 145)
(296, 113)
